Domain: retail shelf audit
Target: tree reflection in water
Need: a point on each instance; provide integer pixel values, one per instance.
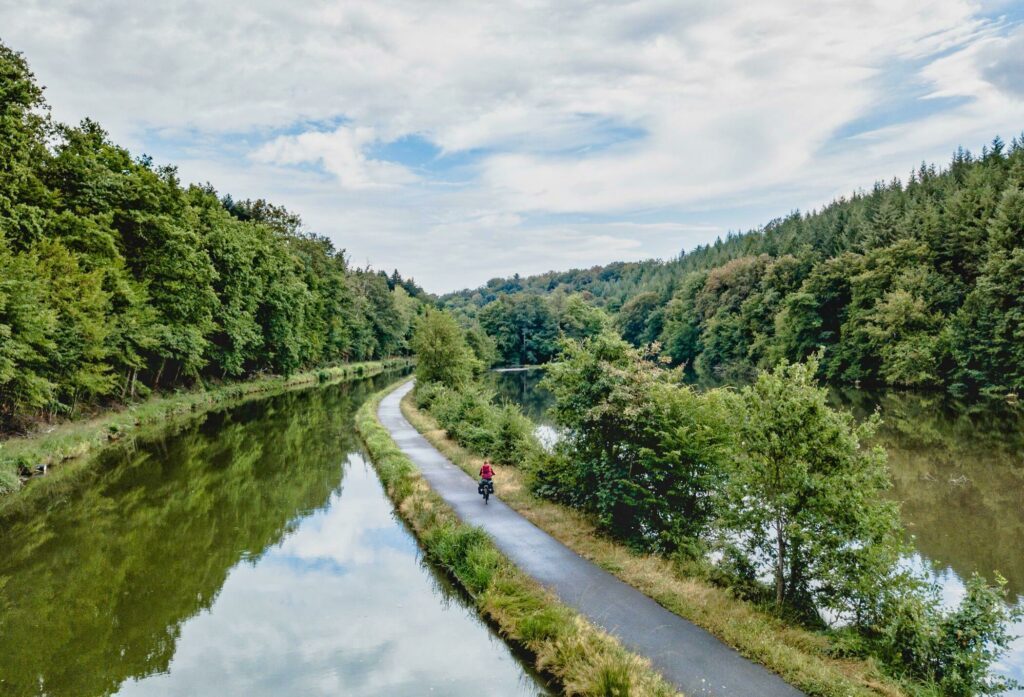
(99, 587)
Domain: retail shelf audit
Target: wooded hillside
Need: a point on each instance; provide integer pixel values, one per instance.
(912, 284)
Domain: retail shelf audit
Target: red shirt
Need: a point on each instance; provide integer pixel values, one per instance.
(486, 471)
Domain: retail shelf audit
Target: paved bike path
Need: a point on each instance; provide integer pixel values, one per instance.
(689, 657)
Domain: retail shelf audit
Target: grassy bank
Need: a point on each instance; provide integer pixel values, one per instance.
(583, 659)
(803, 658)
(71, 441)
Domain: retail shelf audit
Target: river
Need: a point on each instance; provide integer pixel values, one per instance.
(252, 552)
(957, 469)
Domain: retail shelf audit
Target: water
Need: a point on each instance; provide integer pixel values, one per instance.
(957, 469)
(252, 553)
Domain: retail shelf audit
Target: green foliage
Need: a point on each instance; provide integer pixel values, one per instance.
(115, 279)
(467, 415)
(27, 326)
(443, 356)
(24, 129)
(952, 649)
(579, 320)
(988, 330)
(634, 319)
(470, 416)
(806, 496)
(512, 439)
(781, 483)
(483, 346)
(681, 330)
(912, 284)
(646, 453)
(523, 327)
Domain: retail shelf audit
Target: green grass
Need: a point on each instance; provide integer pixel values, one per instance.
(583, 659)
(63, 447)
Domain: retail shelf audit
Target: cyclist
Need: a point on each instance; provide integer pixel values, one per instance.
(486, 476)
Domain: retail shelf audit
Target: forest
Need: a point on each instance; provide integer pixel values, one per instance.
(116, 279)
(916, 284)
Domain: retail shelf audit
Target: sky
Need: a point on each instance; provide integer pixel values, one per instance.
(459, 141)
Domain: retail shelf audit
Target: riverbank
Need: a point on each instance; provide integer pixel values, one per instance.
(56, 448)
(584, 660)
(805, 659)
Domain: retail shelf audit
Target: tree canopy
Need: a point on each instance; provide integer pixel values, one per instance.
(115, 278)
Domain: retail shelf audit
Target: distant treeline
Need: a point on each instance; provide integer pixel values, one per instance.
(917, 284)
(115, 279)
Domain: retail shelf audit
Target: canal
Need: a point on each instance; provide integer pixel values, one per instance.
(252, 552)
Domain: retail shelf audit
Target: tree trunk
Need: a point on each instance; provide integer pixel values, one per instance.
(796, 582)
(780, 562)
(159, 373)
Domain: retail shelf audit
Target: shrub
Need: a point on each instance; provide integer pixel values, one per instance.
(553, 476)
(648, 453)
(9, 481)
(470, 417)
(511, 435)
(426, 393)
(953, 649)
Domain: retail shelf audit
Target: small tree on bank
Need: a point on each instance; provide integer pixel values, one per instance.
(805, 495)
(443, 356)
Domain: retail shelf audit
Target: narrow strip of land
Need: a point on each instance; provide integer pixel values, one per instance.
(688, 656)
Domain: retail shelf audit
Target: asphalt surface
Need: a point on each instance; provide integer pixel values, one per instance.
(689, 657)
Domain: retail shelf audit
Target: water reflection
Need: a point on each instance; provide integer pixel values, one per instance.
(230, 558)
(341, 606)
(522, 387)
(959, 473)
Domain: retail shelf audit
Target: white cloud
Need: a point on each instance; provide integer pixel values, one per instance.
(1001, 63)
(342, 152)
(617, 110)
